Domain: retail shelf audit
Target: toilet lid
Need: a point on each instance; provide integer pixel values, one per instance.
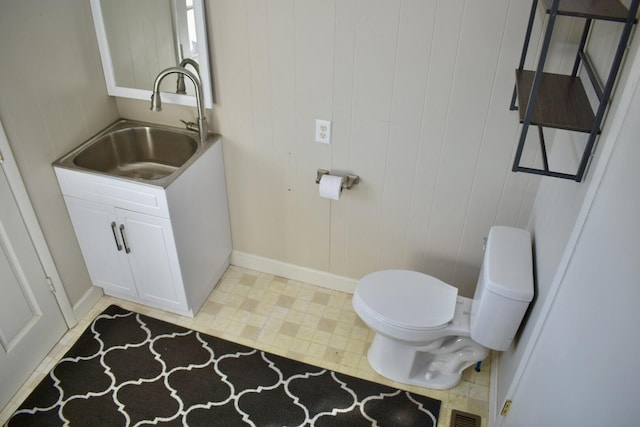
(408, 299)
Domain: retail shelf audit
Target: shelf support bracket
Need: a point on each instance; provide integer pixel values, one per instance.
(525, 48)
(608, 88)
(553, 13)
(543, 149)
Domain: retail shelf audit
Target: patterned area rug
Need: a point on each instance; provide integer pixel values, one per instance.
(128, 369)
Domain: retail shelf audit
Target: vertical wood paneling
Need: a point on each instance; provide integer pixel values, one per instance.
(410, 81)
(375, 56)
(233, 109)
(418, 93)
(415, 34)
(396, 201)
(262, 194)
(376, 44)
(52, 97)
(430, 144)
(343, 77)
(281, 36)
(493, 159)
(367, 158)
(436, 259)
(314, 43)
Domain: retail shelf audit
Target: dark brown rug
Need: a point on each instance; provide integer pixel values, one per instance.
(128, 369)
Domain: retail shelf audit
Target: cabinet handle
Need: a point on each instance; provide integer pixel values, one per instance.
(115, 237)
(127, 249)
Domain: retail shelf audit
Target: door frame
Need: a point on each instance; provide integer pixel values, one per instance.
(16, 184)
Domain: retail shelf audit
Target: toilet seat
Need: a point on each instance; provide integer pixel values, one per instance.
(406, 299)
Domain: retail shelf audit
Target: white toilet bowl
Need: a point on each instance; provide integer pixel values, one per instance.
(426, 334)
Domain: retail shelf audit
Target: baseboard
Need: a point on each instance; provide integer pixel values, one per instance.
(293, 272)
(87, 301)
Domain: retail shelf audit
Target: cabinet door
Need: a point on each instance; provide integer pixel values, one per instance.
(95, 225)
(153, 259)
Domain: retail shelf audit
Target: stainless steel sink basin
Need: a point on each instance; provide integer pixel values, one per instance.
(135, 150)
(138, 152)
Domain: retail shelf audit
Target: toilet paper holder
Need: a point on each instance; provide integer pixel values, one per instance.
(348, 182)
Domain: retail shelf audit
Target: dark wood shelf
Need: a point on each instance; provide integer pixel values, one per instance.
(609, 10)
(561, 103)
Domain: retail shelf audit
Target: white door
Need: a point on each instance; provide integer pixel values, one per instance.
(30, 319)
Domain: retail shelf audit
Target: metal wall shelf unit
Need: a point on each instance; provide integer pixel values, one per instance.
(560, 101)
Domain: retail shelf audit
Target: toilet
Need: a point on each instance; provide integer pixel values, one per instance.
(426, 334)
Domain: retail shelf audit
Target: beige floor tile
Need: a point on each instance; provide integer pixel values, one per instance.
(289, 318)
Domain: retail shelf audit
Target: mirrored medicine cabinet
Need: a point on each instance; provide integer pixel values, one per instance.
(138, 39)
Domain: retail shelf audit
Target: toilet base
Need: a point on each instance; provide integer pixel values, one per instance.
(437, 365)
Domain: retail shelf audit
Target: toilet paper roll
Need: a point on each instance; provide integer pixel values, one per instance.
(331, 186)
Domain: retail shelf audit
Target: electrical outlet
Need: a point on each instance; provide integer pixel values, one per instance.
(323, 131)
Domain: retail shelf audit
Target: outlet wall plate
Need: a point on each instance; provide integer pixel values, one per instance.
(323, 131)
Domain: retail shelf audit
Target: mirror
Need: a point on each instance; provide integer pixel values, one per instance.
(138, 39)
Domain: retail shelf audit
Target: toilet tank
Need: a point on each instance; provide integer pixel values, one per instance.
(504, 289)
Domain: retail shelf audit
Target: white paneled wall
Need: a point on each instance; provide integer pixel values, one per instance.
(557, 216)
(52, 98)
(418, 92)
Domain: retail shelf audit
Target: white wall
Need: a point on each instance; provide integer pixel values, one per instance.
(418, 92)
(582, 370)
(560, 206)
(52, 98)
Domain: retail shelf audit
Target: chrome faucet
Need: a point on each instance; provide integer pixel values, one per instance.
(181, 88)
(156, 102)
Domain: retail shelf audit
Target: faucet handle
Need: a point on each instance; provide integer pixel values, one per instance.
(190, 125)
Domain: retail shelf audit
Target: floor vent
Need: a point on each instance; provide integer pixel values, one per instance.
(464, 419)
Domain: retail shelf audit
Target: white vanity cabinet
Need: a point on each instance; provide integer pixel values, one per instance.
(163, 247)
(129, 253)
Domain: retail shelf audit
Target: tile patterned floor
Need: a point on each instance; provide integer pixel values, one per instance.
(293, 319)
